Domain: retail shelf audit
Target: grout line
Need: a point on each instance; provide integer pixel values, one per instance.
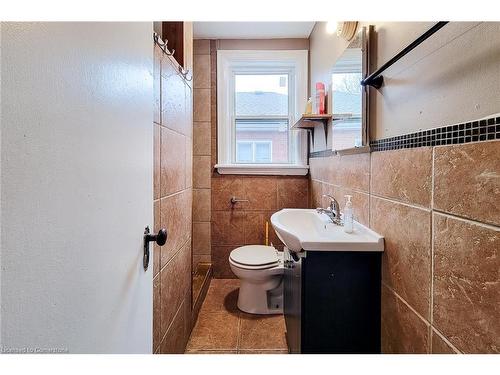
(467, 220)
(176, 193)
(431, 297)
(238, 339)
(402, 203)
(174, 131)
(210, 351)
(406, 303)
(443, 337)
(172, 322)
(342, 187)
(432, 176)
(173, 255)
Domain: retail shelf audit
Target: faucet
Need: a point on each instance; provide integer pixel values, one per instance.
(333, 210)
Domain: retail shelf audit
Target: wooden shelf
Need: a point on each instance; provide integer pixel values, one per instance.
(310, 121)
(307, 121)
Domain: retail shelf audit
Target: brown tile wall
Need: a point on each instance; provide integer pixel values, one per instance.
(202, 151)
(243, 224)
(173, 196)
(438, 209)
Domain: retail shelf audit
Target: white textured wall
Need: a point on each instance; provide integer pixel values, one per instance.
(76, 186)
(452, 77)
(0, 184)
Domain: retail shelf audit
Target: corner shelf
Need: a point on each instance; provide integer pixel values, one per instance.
(310, 121)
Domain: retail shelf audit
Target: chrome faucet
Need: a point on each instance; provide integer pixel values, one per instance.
(332, 211)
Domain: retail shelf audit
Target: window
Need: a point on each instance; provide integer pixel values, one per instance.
(260, 94)
(254, 151)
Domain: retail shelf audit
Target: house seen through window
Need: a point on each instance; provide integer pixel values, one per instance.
(261, 117)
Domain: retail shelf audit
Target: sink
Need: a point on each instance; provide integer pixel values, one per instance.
(306, 229)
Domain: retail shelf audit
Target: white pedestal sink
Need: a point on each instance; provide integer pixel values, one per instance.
(306, 229)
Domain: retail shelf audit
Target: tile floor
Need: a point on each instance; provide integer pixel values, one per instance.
(223, 329)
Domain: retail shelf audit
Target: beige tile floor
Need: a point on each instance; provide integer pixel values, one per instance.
(223, 329)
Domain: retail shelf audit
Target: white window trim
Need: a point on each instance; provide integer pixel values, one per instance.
(227, 60)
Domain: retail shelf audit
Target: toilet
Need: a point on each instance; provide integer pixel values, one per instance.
(260, 270)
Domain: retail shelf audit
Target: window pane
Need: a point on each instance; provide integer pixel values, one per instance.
(347, 93)
(244, 152)
(261, 94)
(347, 98)
(274, 132)
(262, 152)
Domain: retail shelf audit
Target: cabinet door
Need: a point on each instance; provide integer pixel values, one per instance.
(341, 311)
(293, 302)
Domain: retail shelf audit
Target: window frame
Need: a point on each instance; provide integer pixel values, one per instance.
(233, 62)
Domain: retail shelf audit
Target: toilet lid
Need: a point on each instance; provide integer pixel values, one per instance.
(254, 255)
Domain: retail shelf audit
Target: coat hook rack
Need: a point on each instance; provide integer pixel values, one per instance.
(376, 79)
(162, 45)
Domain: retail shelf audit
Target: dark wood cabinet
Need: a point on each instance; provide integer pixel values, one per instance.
(332, 302)
(179, 38)
(174, 33)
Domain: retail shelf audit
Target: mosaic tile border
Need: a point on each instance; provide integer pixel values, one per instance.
(474, 131)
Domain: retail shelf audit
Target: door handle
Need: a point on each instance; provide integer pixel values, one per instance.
(160, 239)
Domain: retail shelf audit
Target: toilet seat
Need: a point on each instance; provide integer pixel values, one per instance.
(254, 257)
(260, 270)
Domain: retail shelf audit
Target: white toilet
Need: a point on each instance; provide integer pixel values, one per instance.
(260, 270)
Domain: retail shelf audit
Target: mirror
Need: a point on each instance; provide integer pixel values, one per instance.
(349, 98)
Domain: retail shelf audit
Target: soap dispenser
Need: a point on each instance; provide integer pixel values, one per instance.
(348, 214)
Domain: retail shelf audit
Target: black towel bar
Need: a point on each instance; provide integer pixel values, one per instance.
(376, 79)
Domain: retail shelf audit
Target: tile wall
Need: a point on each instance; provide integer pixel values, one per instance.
(173, 146)
(218, 227)
(244, 223)
(202, 151)
(439, 210)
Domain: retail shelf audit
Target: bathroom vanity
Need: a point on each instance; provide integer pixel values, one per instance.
(332, 284)
(332, 301)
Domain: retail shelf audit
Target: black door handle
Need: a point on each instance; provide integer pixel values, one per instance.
(160, 239)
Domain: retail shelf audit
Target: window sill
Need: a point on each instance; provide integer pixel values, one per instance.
(264, 169)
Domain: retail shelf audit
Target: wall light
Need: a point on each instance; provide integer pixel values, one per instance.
(331, 27)
(345, 30)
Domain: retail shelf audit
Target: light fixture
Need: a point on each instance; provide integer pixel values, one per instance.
(347, 30)
(331, 27)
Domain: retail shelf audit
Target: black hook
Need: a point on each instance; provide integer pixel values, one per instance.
(160, 239)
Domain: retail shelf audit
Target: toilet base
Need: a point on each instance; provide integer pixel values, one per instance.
(254, 299)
